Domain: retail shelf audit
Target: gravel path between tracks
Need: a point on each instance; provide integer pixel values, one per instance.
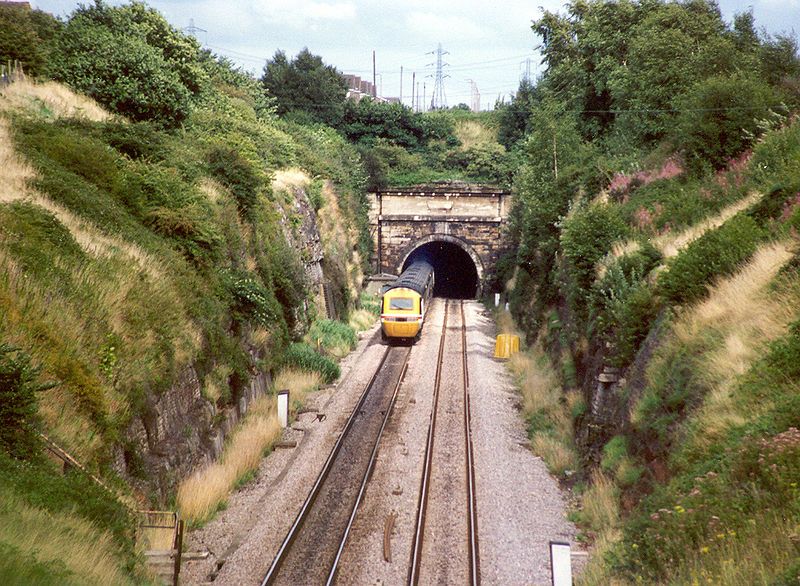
(520, 506)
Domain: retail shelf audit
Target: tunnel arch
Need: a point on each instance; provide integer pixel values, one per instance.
(457, 245)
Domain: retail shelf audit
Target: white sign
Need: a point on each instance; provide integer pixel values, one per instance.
(283, 408)
(497, 299)
(560, 564)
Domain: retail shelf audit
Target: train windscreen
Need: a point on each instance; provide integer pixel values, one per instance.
(401, 303)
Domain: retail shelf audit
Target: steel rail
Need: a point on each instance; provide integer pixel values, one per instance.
(312, 495)
(474, 558)
(416, 549)
(372, 459)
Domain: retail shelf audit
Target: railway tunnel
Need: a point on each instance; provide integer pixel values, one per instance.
(459, 228)
(454, 269)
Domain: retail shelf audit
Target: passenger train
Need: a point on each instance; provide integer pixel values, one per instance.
(405, 302)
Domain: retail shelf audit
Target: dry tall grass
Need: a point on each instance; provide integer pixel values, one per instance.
(542, 396)
(596, 572)
(298, 382)
(361, 320)
(286, 179)
(600, 504)
(745, 315)
(600, 513)
(55, 99)
(472, 133)
(60, 538)
(671, 244)
(14, 171)
(202, 494)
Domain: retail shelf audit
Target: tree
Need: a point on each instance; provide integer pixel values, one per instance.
(305, 84)
(673, 48)
(779, 62)
(231, 80)
(514, 118)
(717, 117)
(18, 404)
(25, 36)
(131, 60)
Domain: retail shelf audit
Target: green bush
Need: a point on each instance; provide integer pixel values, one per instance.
(252, 301)
(305, 357)
(39, 238)
(672, 204)
(314, 192)
(129, 59)
(623, 305)
(774, 204)
(586, 237)
(717, 253)
(40, 486)
(776, 157)
(140, 140)
(626, 310)
(18, 404)
(333, 336)
(237, 174)
(488, 163)
(716, 116)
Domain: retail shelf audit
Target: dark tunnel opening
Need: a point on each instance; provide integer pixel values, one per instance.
(455, 272)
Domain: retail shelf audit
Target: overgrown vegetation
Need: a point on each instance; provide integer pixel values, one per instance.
(132, 253)
(656, 172)
(657, 202)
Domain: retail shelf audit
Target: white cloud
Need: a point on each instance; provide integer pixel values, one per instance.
(303, 13)
(443, 27)
(323, 11)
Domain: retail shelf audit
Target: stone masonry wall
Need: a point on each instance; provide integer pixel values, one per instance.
(472, 216)
(178, 432)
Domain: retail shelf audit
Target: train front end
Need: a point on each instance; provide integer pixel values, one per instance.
(401, 313)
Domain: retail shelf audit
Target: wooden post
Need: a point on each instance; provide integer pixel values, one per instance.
(176, 572)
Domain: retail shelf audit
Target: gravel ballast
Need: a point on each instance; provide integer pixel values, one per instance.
(520, 506)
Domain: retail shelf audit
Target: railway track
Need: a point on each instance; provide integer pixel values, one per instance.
(312, 548)
(437, 560)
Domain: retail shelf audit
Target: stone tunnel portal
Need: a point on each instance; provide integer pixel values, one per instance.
(455, 271)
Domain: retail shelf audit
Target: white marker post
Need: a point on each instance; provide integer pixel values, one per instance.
(283, 407)
(497, 299)
(560, 563)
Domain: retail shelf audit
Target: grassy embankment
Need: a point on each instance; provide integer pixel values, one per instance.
(207, 490)
(129, 253)
(701, 484)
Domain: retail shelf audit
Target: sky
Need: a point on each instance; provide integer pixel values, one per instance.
(490, 44)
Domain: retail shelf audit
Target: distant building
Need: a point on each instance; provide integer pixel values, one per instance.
(358, 88)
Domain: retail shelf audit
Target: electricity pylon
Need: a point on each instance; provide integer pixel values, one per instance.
(438, 100)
